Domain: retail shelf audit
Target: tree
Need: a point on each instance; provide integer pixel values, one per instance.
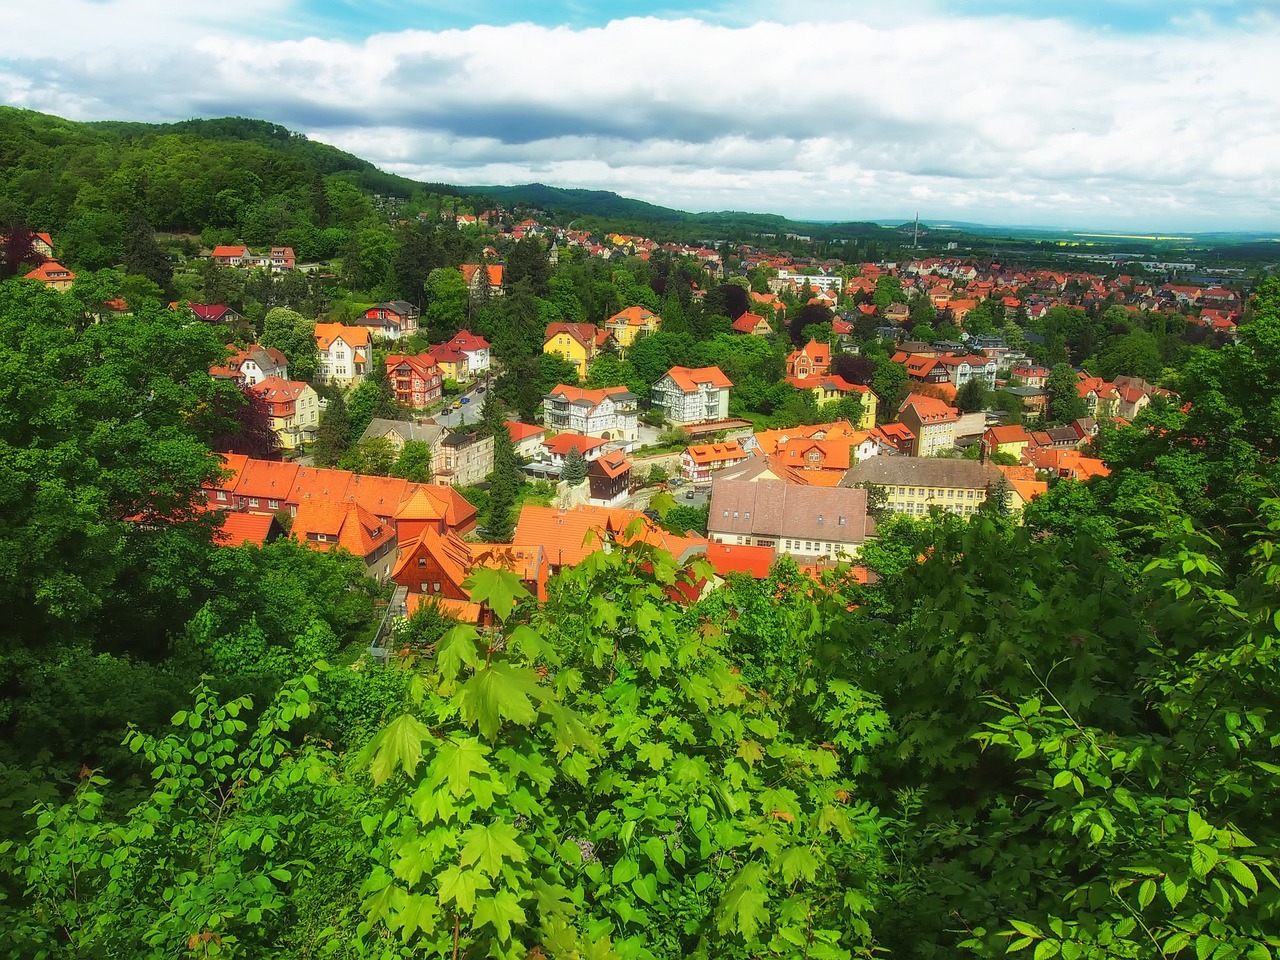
(248, 429)
(1065, 403)
(374, 456)
(333, 434)
(888, 291)
(18, 253)
(973, 396)
(142, 255)
(1134, 354)
(447, 299)
(890, 385)
(574, 470)
(414, 462)
(294, 336)
(809, 315)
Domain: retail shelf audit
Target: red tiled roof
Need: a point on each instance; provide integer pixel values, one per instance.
(353, 337)
(559, 445)
(241, 528)
(726, 558)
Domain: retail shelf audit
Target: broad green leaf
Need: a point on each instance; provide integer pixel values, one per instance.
(654, 754)
(500, 692)
(1146, 893)
(750, 751)
(1174, 891)
(1046, 949)
(460, 886)
(456, 762)
(500, 589)
(1197, 827)
(624, 871)
(645, 887)
(570, 732)
(1203, 859)
(743, 907)
(1241, 874)
(418, 913)
(488, 845)
(457, 647)
(398, 743)
(499, 911)
(798, 862)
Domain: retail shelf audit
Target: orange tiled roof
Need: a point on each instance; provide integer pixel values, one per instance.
(703, 453)
(343, 524)
(690, 379)
(522, 431)
(353, 337)
(241, 528)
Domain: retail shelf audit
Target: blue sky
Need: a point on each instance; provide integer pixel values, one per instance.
(1129, 114)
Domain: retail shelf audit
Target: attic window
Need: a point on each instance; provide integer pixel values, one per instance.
(819, 518)
(726, 513)
(841, 521)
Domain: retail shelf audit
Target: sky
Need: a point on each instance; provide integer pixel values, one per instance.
(1138, 115)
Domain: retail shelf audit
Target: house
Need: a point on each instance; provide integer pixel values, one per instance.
(526, 439)
(961, 369)
(213, 313)
(1033, 399)
(53, 275)
(294, 407)
(1012, 439)
(803, 521)
(252, 364)
(608, 413)
(931, 421)
(555, 449)
(433, 567)
(897, 437)
(475, 280)
(238, 529)
(465, 459)
(752, 324)
(692, 395)
(1030, 374)
(475, 349)
(282, 259)
(579, 343)
(897, 313)
(329, 525)
(914, 484)
(569, 536)
(400, 432)
(391, 319)
(344, 353)
(609, 479)
(231, 255)
(415, 379)
(627, 325)
(811, 360)
(700, 460)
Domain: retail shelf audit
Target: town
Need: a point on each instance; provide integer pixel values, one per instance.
(912, 386)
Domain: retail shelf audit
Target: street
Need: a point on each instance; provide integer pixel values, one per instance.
(468, 413)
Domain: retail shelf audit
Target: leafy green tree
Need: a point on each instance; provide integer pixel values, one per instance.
(294, 336)
(888, 291)
(447, 301)
(372, 455)
(1065, 403)
(1135, 354)
(414, 462)
(142, 255)
(891, 385)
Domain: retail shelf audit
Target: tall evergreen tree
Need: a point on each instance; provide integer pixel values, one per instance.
(333, 435)
(574, 470)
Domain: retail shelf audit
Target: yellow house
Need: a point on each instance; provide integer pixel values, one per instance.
(827, 389)
(579, 343)
(629, 324)
(1011, 439)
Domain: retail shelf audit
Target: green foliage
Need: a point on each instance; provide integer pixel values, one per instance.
(294, 336)
(574, 470)
(613, 792)
(414, 462)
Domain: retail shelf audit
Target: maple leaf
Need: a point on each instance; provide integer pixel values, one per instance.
(399, 742)
(500, 692)
(500, 589)
(488, 845)
(743, 907)
(456, 762)
(500, 911)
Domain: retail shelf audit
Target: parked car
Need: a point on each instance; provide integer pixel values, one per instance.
(457, 405)
(466, 400)
(688, 494)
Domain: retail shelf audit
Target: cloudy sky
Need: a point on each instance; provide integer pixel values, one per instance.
(1128, 114)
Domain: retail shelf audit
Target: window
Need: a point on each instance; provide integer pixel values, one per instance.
(422, 561)
(840, 522)
(819, 519)
(253, 501)
(424, 587)
(222, 495)
(273, 504)
(436, 586)
(322, 537)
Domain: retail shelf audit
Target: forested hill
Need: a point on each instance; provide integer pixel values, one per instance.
(266, 184)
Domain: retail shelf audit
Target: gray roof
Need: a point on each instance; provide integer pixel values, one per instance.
(773, 508)
(922, 472)
(407, 429)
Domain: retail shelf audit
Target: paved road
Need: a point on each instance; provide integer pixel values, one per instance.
(467, 413)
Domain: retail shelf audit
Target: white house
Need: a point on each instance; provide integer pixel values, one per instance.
(692, 395)
(344, 352)
(608, 413)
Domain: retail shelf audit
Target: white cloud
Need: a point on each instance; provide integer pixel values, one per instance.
(999, 118)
